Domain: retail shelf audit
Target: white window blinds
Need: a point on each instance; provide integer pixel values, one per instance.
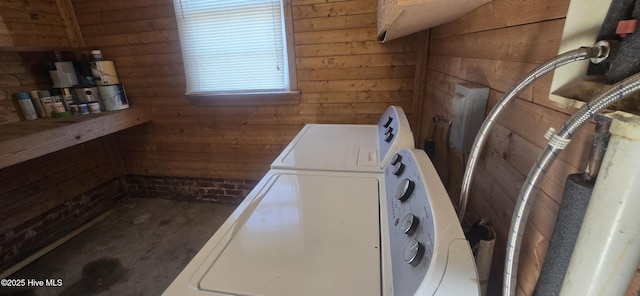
(233, 45)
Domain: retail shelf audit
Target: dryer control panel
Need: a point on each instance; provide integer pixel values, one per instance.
(422, 225)
(394, 132)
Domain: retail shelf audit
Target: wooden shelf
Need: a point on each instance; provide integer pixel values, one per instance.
(26, 140)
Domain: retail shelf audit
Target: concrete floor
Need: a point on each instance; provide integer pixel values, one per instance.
(137, 250)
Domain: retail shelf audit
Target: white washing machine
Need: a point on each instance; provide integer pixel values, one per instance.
(305, 232)
(348, 147)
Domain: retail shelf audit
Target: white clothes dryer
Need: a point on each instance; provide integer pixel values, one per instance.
(348, 147)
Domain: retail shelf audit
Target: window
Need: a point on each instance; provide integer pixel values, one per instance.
(233, 46)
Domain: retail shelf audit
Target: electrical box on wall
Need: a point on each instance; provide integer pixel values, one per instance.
(468, 108)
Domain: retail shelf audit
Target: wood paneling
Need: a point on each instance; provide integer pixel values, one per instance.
(92, 15)
(37, 195)
(496, 45)
(38, 23)
(332, 9)
(337, 22)
(512, 44)
(68, 15)
(20, 72)
(27, 140)
(502, 14)
(344, 76)
(43, 197)
(355, 48)
(38, 191)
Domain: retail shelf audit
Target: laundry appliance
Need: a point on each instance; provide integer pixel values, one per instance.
(348, 147)
(321, 232)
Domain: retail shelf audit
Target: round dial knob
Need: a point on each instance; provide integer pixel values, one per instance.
(388, 122)
(404, 189)
(413, 252)
(396, 158)
(398, 169)
(388, 137)
(409, 224)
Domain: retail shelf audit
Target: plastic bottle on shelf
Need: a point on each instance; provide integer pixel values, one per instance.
(83, 69)
(96, 55)
(24, 100)
(68, 97)
(47, 101)
(103, 72)
(59, 109)
(37, 103)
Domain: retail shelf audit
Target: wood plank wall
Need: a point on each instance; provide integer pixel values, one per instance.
(36, 186)
(30, 23)
(41, 23)
(42, 199)
(344, 75)
(36, 196)
(20, 71)
(495, 45)
(28, 29)
(33, 189)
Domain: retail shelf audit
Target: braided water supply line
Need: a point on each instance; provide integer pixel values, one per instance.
(557, 142)
(597, 53)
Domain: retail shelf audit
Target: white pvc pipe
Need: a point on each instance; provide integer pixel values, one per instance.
(607, 251)
(483, 263)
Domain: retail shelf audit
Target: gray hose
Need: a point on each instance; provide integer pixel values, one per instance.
(561, 60)
(556, 144)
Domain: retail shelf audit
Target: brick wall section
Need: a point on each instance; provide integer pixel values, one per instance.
(38, 232)
(194, 189)
(22, 241)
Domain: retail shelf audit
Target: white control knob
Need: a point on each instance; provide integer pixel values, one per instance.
(405, 189)
(413, 252)
(409, 224)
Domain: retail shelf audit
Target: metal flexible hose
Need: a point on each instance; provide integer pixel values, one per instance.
(556, 144)
(582, 53)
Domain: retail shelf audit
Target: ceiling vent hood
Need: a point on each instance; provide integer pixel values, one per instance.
(397, 18)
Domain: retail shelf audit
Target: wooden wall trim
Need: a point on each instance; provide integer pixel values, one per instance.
(419, 86)
(290, 39)
(68, 14)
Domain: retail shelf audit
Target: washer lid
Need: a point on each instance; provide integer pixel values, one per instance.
(332, 147)
(305, 235)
